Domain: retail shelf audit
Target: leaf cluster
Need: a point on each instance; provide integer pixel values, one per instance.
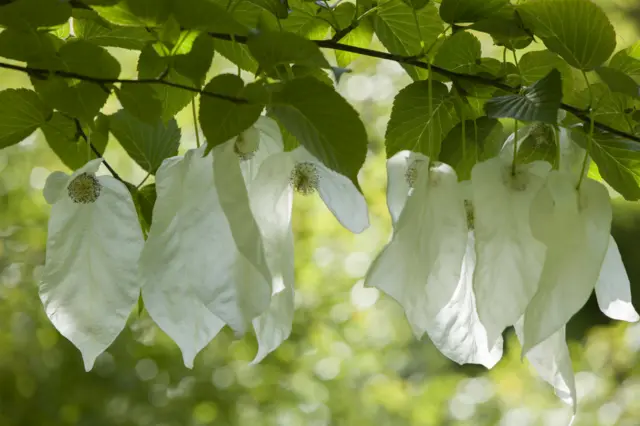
(296, 52)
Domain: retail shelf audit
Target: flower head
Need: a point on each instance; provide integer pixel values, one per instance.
(203, 265)
(90, 284)
(428, 265)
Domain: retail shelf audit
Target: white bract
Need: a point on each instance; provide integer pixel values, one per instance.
(203, 264)
(90, 284)
(574, 225)
(509, 259)
(552, 362)
(428, 265)
(272, 176)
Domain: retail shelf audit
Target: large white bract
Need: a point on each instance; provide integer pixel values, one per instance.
(518, 245)
(90, 281)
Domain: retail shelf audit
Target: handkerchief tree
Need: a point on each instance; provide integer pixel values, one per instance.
(489, 231)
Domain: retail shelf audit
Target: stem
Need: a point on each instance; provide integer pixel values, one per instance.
(464, 134)
(339, 35)
(585, 161)
(515, 149)
(143, 181)
(195, 121)
(97, 153)
(432, 45)
(333, 15)
(430, 95)
(558, 151)
(415, 18)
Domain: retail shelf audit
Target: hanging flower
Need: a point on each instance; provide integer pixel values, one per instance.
(581, 256)
(203, 265)
(272, 176)
(428, 265)
(90, 284)
(509, 258)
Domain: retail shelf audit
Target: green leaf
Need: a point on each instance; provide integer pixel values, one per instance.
(205, 15)
(618, 81)
(395, 26)
(64, 139)
(340, 16)
(196, 63)
(221, 119)
(538, 102)
(83, 57)
(618, 161)
(300, 71)
(147, 144)
(613, 109)
(146, 200)
(460, 53)
(412, 126)
(535, 65)
(173, 99)
(29, 45)
(324, 123)
(457, 11)
(137, 13)
(303, 21)
(277, 7)
(577, 30)
(238, 54)
(83, 100)
(21, 113)
(461, 154)
(34, 13)
(141, 100)
(170, 31)
(360, 36)
(90, 27)
(416, 4)
(628, 61)
(506, 28)
(272, 48)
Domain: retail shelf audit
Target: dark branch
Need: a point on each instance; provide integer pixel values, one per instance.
(330, 44)
(42, 73)
(83, 135)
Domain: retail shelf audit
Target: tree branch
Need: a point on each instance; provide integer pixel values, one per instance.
(83, 135)
(42, 73)
(330, 44)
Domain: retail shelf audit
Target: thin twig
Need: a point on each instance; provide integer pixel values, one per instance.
(42, 74)
(98, 154)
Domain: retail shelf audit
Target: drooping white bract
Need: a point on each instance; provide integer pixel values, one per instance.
(271, 200)
(613, 289)
(203, 264)
(271, 194)
(509, 258)
(428, 265)
(552, 362)
(90, 284)
(574, 225)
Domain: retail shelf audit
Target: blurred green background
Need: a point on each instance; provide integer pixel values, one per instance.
(351, 358)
